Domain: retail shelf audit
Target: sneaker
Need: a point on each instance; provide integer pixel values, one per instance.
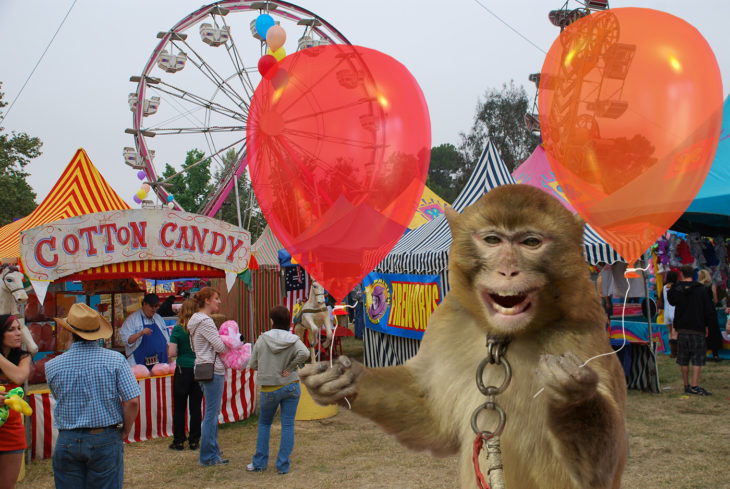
(699, 391)
(251, 468)
(282, 473)
(177, 446)
(687, 390)
(194, 445)
(220, 461)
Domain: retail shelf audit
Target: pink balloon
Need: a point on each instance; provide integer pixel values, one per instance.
(275, 37)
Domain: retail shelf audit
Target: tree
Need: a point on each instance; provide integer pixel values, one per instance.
(252, 218)
(446, 164)
(499, 116)
(191, 187)
(17, 198)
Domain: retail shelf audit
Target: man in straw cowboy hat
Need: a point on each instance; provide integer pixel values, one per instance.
(97, 400)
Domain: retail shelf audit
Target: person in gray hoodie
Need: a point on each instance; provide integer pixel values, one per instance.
(276, 357)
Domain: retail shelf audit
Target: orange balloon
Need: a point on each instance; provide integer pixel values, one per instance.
(630, 109)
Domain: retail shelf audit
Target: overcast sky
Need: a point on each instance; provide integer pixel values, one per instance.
(455, 49)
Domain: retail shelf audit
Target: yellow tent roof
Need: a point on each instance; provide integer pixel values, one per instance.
(430, 207)
(82, 190)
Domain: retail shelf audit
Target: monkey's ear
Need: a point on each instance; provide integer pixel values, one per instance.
(453, 217)
(580, 222)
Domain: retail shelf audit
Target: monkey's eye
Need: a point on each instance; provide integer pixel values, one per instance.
(532, 242)
(492, 239)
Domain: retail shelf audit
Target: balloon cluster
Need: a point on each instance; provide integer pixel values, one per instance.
(275, 36)
(141, 193)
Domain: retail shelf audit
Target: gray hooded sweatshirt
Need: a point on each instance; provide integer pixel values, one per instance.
(275, 351)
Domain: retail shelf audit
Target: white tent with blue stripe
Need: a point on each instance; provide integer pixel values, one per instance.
(425, 250)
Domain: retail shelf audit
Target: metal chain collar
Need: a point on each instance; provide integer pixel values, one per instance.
(496, 349)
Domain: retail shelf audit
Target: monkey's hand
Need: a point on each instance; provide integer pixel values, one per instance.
(331, 385)
(565, 381)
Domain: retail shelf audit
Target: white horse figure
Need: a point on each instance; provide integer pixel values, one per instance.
(312, 317)
(12, 298)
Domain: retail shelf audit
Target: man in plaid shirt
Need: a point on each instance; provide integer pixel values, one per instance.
(97, 401)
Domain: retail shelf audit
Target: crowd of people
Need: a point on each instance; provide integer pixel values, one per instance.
(97, 395)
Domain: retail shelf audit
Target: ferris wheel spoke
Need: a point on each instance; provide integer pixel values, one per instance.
(202, 160)
(329, 110)
(166, 131)
(238, 63)
(198, 100)
(331, 139)
(216, 78)
(315, 83)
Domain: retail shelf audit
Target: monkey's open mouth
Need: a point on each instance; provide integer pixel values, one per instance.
(509, 305)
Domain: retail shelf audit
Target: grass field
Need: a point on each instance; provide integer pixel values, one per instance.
(675, 441)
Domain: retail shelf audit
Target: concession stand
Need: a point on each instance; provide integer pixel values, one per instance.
(84, 232)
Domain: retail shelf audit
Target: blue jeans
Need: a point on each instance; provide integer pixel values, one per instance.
(82, 459)
(288, 398)
(210, 452)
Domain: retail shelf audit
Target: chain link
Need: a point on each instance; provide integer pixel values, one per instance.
(496, 349)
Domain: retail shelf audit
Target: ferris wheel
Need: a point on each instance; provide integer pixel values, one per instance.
(195, 90)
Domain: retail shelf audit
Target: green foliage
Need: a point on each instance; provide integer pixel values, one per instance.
(446, 164)
(17, 198)
(251, 217)
(499, 116)
(191, 187)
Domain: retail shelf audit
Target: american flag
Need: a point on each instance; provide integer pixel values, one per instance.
(296, 283)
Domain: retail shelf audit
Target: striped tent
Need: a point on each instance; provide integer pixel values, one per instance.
(82, 190)
(425, 250)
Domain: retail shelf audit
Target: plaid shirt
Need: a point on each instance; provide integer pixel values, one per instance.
(89, 384)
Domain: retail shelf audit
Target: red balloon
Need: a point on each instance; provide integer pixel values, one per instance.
(630, 108)
(268, 66)
(338, 159)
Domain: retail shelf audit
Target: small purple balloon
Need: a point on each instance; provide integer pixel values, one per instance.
(141, 175)
(136, 199)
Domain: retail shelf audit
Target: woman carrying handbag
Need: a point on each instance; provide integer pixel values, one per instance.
(209, 371)
(185, 389)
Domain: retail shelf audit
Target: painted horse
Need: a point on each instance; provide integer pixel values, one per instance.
(312, 317)
(13, 298)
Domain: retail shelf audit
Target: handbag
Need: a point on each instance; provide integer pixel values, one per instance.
(204, 371)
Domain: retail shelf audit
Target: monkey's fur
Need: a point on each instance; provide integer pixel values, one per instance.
(515, 241)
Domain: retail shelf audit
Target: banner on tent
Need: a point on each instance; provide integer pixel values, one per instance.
(400, 304)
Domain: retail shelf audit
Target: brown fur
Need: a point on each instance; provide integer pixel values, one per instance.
(570, 436)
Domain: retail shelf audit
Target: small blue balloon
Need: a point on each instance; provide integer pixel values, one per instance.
(263, 23)
(170, 198)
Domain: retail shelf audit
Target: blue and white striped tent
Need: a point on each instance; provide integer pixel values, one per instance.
(425, 250)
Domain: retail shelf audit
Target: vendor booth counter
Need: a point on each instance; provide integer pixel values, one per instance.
(635, 354)
(155, 410)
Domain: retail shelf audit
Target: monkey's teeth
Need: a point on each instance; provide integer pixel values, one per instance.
(510, 311)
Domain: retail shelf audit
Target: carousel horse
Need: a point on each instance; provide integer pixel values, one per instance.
(12, 298)
(312, 317)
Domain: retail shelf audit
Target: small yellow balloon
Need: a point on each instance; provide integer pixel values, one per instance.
(278, 54)
(141, 194)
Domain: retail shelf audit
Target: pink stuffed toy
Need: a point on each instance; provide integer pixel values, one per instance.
(160, 369)
(237, 353)
(140, 371)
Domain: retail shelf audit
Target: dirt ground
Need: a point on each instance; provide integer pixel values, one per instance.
(675, 441)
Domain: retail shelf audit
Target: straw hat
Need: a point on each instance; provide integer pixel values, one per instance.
(86, 322)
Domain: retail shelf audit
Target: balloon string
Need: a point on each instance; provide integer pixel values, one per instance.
(332, 344)
(623, 327)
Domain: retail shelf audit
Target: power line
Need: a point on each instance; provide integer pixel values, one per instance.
(509, 26)
(39, 62)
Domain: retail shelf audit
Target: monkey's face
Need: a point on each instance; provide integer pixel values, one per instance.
(509, 281)
(513, 252)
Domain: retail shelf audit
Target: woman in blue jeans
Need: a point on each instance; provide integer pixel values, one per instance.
(207, 345)
(276, 357)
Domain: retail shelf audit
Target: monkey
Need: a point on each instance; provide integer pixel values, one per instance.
(516, 271)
